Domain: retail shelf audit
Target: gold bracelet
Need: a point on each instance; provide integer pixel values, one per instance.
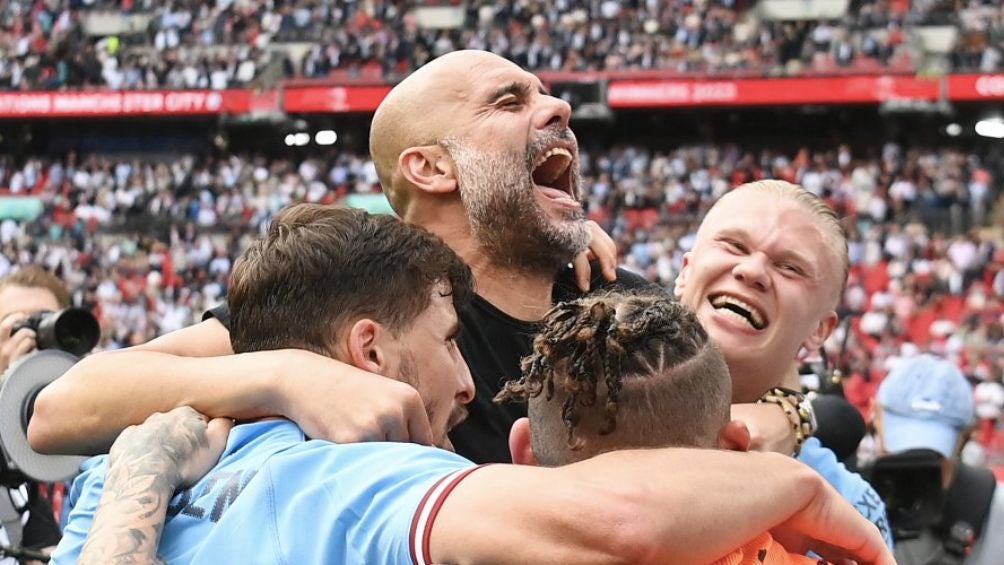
(798, 411)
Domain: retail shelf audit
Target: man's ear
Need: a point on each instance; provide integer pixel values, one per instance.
(823, 330)
(364, 347)
(520, 444)
(734, 436)
(681, 277)
(429, 168)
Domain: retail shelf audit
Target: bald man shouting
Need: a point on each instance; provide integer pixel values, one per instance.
(491, 167)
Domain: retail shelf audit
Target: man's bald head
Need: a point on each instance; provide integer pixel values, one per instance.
(421, 111)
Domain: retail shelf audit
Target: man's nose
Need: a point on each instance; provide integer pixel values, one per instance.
(552, 113)
(752, 271)
(465, 393)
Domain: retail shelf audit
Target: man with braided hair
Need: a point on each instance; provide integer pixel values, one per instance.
(617, 371)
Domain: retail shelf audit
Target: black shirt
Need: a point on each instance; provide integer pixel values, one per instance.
(493, 344)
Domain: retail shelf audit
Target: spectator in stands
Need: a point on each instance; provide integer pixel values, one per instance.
(653, 230)
(367, 498)
(926, 403)
(205, 45)
(989, 400)
(27, 291)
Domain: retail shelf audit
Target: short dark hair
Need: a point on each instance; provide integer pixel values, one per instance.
(319, 267)
(660, 380)
(33, 276)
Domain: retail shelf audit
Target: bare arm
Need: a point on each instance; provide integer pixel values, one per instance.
(85, 409)
(654, 506)
(770, 429)
(146, 464)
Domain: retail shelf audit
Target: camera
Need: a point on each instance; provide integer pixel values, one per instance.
(73, 330)
(910, 485)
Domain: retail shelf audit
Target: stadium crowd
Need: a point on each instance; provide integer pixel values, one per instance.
(201, 44)
(926, 274)
(926, 271)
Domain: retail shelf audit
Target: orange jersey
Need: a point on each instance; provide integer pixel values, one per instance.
(765, 551)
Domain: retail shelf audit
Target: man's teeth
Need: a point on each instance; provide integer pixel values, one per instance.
(736, 316)
(551, 153)
(754, 317)
(557, 171)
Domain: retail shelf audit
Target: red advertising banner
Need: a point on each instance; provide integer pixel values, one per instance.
(123, 103)
(328, 99)
(628, 93)
(747, 92)
(976, 87)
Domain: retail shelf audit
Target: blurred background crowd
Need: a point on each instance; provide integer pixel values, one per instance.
(149, 244)
(147, 238)
(143, 44)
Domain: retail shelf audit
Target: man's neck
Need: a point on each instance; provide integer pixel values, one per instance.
(761, 376)
(522, 293)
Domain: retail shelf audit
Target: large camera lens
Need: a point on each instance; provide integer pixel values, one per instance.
(73, 330)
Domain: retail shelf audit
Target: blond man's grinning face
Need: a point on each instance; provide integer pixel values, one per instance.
(762, 278)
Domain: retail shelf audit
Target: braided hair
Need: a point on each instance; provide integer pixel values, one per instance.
(602, 340)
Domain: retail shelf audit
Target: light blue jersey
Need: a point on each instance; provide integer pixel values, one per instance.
(277, 498)
(850, 485)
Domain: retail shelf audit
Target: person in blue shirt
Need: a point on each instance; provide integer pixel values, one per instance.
(277, 497)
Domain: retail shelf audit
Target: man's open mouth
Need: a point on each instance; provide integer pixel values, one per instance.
(552, 172)
(739, 310)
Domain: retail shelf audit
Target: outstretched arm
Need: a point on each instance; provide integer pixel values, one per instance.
(85, 409)
(652, 506)
(145, 466)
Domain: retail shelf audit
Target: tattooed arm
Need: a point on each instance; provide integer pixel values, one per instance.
(145, 466)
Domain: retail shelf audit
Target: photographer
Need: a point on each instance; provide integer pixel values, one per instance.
(27, 518)
(943, 511)
(28, 291)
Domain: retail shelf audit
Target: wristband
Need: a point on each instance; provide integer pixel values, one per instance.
(798, 410)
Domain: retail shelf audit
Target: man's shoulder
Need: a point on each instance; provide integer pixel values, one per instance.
(990, 544)
(825, 462)
(565, 287)
(221, 312)
(852, 486)
(306, 501)
(364, 462)
(321, 502)
(91, 477)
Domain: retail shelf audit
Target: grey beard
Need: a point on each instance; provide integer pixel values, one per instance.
(505, 217)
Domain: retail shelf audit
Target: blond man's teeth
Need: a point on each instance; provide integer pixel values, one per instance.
(756, 317)
(736, 316)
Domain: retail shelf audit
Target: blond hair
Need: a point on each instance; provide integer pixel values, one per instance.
(825, 216)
